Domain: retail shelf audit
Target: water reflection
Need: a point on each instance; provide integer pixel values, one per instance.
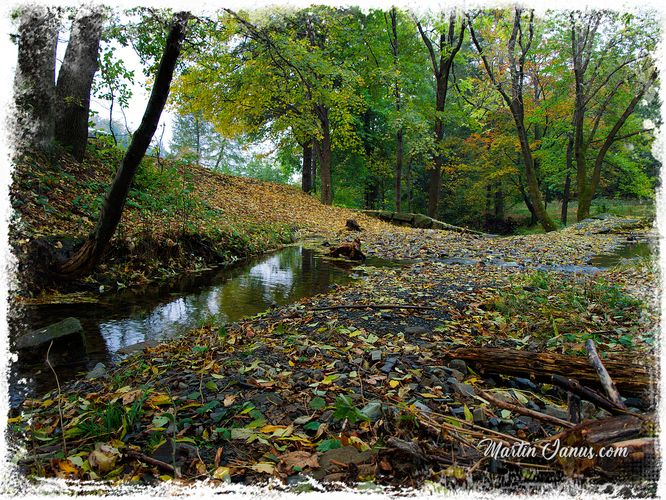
(158, 312)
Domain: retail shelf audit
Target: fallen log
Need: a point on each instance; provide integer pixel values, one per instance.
(604, 377)
(631, 374)
(350, 251)
(602, 443)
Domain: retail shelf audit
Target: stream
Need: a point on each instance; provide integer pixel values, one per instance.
(161, 311)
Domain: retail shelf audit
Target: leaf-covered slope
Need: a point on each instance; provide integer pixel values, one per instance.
(178, 217)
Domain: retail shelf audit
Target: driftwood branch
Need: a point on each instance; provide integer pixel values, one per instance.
(573, 386)
(526, 411)
(606, 380)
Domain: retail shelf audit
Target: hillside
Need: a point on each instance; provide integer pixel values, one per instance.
(179, 217)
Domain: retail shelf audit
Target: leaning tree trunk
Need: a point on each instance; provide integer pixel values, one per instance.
(34, 83)
(89, 254)
(75, 81)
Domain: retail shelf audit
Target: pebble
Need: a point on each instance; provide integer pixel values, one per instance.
(458, 364)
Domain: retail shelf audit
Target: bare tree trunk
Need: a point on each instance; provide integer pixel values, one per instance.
(306, 178)
(449, 45)
(90, 253)
(75, 81)
(324, 154)
(567, 183)
(399, 143)
(34, 83)
(513, 97)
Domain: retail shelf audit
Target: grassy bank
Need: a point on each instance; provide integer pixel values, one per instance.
(178, 217)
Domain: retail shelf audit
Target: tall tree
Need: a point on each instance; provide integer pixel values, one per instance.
(442, 54)
(397, 92)
(613, 71)
(517, 49)
(34, 83)
(75, 80)
(92, 250)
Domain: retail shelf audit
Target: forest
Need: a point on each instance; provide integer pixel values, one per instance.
(340, 248)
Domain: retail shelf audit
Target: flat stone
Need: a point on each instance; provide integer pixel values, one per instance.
(138, 347)
(98, 372)
(459, 376)
(464, 389)
(373, 410)
(67, 326)
(554, 411)
(416, 330)
(458, 364)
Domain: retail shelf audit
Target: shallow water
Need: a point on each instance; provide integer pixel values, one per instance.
(161, 311)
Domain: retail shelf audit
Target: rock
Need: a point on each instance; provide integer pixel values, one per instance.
(525, 383)
(587, 409)
(480, 417)
(464, 389)
(98, 372)
(67, 326)
(422, 407)
(389, 364)
(373, 410)
(458, 364)
(494, 421)
(554, 411)
(458, 411)
(138, 347)
(459, 376)
(345, 455)
(416, 330)
(184, 453)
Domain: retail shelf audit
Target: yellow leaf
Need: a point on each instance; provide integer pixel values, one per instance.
(159, 399)
(264, 467)
(394, 383)
(222, 474)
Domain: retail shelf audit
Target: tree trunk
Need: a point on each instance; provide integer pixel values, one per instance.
(408, 179)
(34, 83)
(87, 257)
(630, 373)
(398, 170)
(75, 81)
(567, 183)
(306, 178)
(399, 143)
(530, 172)
(324, 154)
(449, 45)
(499, 202)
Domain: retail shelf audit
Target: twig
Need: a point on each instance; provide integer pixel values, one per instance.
(62, 420)
(370, 306)
(606, 380)
(149, 460)
(526, 411)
